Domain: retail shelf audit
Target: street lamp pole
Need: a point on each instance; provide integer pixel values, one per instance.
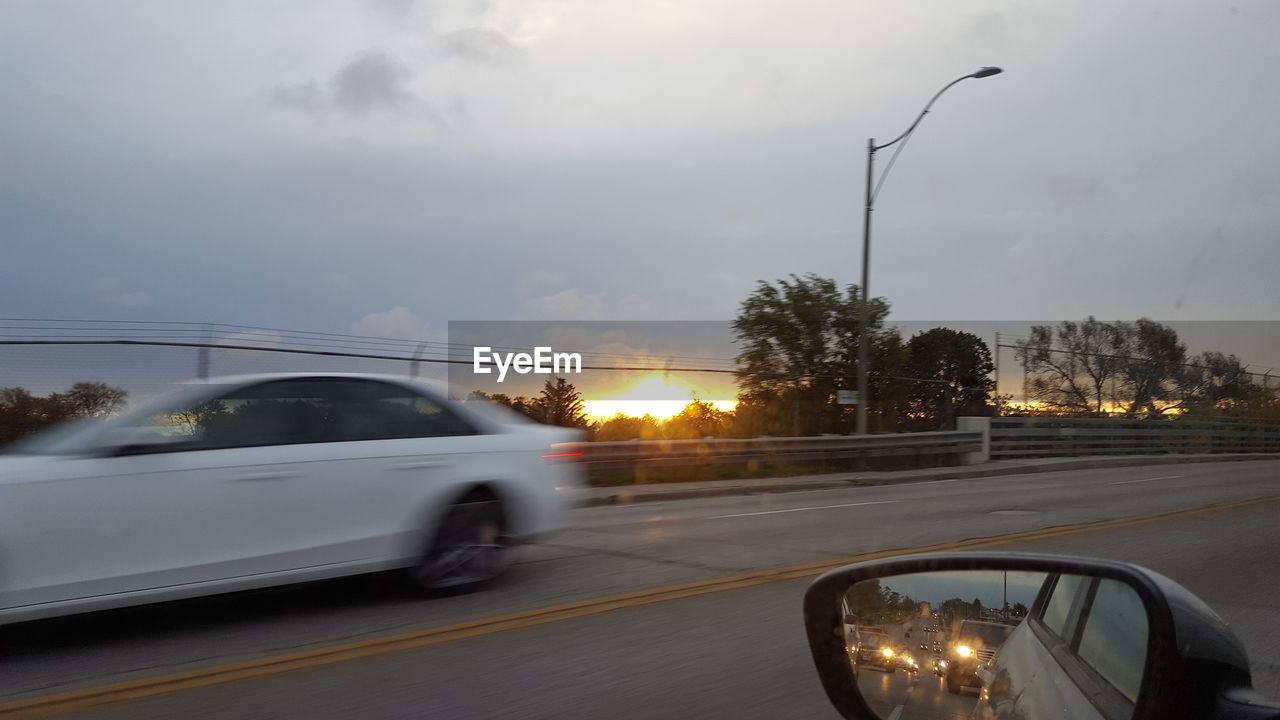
(864, 313)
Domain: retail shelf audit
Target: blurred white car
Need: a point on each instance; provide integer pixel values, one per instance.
(246, 482)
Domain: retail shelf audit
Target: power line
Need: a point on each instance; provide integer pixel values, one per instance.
(292, 337)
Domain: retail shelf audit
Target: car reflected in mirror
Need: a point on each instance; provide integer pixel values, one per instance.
(1021, 637)
(967, 614)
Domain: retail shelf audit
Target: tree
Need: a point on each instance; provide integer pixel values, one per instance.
(1138, 369)
(1216, 383)
(1072, 367)
(1153, 368)
(626, 427)
(92, 399)
(530, 408)
(22, 413)
(799, 345)
(561, 404)
(954, 371)
(698, 419)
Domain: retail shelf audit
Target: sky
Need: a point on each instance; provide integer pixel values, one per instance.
(992, 587)
(383, 167)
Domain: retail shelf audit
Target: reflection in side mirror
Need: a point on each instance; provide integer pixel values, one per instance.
(1015, 635)
(960, 620)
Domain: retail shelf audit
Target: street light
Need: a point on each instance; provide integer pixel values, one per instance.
(864, 334)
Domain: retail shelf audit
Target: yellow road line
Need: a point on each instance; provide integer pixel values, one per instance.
(150, 687)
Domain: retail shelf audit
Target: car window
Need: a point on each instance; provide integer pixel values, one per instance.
(274, 413)
(372, 410)
(1057, 611)
(1114, 639)
(309, 410)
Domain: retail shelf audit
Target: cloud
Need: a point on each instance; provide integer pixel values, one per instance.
(573, 305)
(111, 294)
(370, 81)
(394, 8)
(566, 305)
(339, 280)
(480, 46)
(1073, 188)
(398, 322)
(257, 338)
(306, 97)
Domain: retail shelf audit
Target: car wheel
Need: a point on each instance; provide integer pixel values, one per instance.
(468, 549)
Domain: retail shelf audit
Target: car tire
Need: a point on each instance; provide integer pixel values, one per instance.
(469, 547)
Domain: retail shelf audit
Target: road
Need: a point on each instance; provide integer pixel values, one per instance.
(922, 696)
(702, 646)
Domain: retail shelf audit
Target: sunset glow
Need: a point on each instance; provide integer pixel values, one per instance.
(657, 395)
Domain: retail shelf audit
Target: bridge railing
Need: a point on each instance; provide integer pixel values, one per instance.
(1021, 437)
(632, 454)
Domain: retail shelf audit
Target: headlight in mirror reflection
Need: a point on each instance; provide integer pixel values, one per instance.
(989, 609)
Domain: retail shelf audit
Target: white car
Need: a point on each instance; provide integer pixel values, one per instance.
(247, 482)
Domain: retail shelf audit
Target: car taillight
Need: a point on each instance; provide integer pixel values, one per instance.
(564, 452)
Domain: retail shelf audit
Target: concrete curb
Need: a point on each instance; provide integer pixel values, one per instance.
(630, 494)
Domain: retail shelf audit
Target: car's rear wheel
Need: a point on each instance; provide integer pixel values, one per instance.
(468, 549)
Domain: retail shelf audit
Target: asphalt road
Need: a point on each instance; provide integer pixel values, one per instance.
(922, 696)
(733, 650)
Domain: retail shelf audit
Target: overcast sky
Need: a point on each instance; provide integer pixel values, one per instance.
(385, 166)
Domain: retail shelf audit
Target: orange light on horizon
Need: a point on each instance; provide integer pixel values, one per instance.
(656, 395)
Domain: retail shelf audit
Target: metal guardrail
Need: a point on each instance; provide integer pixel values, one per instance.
(1013, 437)
(678, 453)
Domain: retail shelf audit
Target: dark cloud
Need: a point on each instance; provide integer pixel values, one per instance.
(371, 81)
(481, 46)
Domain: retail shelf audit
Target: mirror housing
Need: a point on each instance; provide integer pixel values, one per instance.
(1196, 667)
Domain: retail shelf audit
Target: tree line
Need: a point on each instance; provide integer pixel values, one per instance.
(798, 343)
(22, 413)
(1138, 369)
(798, 340)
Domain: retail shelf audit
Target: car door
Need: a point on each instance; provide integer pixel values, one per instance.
(391, 456)
(217, 494)
(328, 492)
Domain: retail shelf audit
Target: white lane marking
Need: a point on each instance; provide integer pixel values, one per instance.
(816, 507)
(936, 482)
(1130, 482)
(897, 713)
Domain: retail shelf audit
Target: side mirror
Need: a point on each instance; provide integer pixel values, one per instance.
(1028, 636)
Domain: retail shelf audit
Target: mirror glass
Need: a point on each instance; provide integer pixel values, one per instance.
(982, 643)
